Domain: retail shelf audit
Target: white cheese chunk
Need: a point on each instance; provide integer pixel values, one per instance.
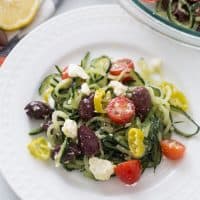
(76, 71)
(100, 168)
(85, 89)
(118, 88)
(70, 128)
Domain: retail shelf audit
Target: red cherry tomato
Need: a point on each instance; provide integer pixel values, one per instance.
(121, 65)
(129, 172)
(121, 110)
(64, 75)
(172, 149)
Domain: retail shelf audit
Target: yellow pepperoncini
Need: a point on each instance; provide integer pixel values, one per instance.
(98, 97)
(136, 142)
(39, 148)
(47, 94)
(176, 98)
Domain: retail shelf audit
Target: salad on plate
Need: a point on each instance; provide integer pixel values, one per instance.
(105, 118)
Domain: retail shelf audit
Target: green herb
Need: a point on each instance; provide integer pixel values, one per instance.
(153, 154)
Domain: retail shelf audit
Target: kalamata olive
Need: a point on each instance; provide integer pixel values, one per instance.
(87, 141)
(38, 110)
(3, 38)
(71, 153)
(86, 107)
(142, 101)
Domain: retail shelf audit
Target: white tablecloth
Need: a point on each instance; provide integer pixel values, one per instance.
(5, 192)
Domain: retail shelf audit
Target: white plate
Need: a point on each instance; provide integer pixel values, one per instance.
(65, 39)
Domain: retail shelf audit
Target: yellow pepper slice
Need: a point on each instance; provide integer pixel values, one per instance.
(98, 97)
(39, 148)
(136, 142)
(177, 97)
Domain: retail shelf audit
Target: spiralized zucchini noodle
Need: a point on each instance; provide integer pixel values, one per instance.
(103, 113)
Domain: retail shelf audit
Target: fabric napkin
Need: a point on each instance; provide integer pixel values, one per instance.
(9, 39)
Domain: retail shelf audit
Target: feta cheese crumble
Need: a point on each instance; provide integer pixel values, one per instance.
(76, 71)
(100, 168)
(70, 128)
(118, 88)
(85, 89)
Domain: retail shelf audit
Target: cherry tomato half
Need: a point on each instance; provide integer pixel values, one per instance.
(120, 110)
(172, 149)
(129, 172)
(64, 75)
(121, 65)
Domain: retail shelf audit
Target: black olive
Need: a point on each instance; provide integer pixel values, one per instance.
(86, 107)
(38, 110)
(88, 141)
(142, 101)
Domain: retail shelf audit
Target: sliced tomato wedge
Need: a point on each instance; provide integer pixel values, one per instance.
(121, 110)
(65, 75)
(172, 149)
(121, 65)
(129, 172)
